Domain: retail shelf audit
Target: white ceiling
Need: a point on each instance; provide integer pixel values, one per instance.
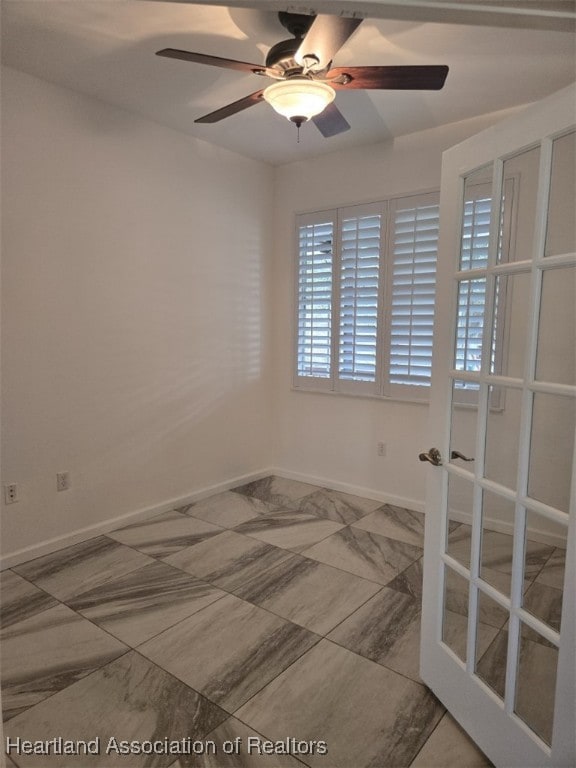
(105, 48)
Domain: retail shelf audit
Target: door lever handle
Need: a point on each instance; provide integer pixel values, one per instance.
(458, 455)
(433, 456)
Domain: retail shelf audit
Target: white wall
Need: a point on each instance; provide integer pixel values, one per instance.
(141, 305)
(136, 310)
(334, 437)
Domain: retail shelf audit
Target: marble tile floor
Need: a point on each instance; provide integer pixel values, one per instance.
(278, 610)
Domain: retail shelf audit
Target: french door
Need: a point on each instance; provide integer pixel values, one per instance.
(499, 604)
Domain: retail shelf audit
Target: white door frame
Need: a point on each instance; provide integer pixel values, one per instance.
(491, 723)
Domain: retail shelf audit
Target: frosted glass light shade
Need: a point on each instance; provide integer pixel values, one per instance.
(299, 99)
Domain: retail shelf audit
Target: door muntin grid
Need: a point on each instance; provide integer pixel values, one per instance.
(474, 380)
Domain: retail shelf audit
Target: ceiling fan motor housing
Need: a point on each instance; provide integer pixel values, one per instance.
(281, 55)
(296, 23)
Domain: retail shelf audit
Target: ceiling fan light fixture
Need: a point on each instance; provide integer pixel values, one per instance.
(299, 100)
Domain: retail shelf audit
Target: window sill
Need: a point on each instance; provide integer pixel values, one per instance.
(361, 396)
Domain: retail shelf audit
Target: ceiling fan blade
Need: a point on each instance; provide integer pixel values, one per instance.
(331, 121)
(213, 61)
(420, 78)
(324, 39)
(231, 109)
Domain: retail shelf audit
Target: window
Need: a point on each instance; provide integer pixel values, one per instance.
(366, 292)
(365, 309)
(315, 296)
(411, 295)
(474, 245)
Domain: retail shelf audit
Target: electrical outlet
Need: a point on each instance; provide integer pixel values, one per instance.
(62, 481)
(381, 449)
(10, 493)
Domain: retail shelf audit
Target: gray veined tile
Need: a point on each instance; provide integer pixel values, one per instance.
(229, 650)
(459, 543)
(82, 566)
(536, 558)
(489, 611)
(20, 599)
(47, 652)
(367, 714)
(497, 551)
(449, 746)
(143, 603)
(491, 665)
(164, 534)
(395, 523)
(410, 580)
(309, 593)
(229, 560)
(289, 529)
(130, 699)
(365, 554)
(536, 686)
(229, 509)
(276, 490)
(497, 554)
(386, 630)
(544, 602)
(455, 634)
(536, 680)
(552, 573)
(249, 755)
(339, 507)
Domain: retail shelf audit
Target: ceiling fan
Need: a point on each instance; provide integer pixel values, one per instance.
(306, 82)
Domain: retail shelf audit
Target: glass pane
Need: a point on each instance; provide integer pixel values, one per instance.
(551, 449)
(502, 435)
(544, 567)
(519, 206)
(561, 232)
(491, 656)
(556, 356)
(497, 540)
(476, 219)
(536, 683)
(455, 623)
(511, 313)
(463, 421)
(460, 502)
(540, 535)
(470, 325)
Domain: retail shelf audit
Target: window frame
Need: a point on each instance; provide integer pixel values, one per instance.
(381, 388)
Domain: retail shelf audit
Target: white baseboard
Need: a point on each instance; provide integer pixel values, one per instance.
(82, 534)
(59, 542)
(502, 526)
(356, 490)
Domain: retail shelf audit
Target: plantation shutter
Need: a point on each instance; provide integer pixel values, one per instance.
(315, 286)
(411, 293)
(472, 293)
(361, 235)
